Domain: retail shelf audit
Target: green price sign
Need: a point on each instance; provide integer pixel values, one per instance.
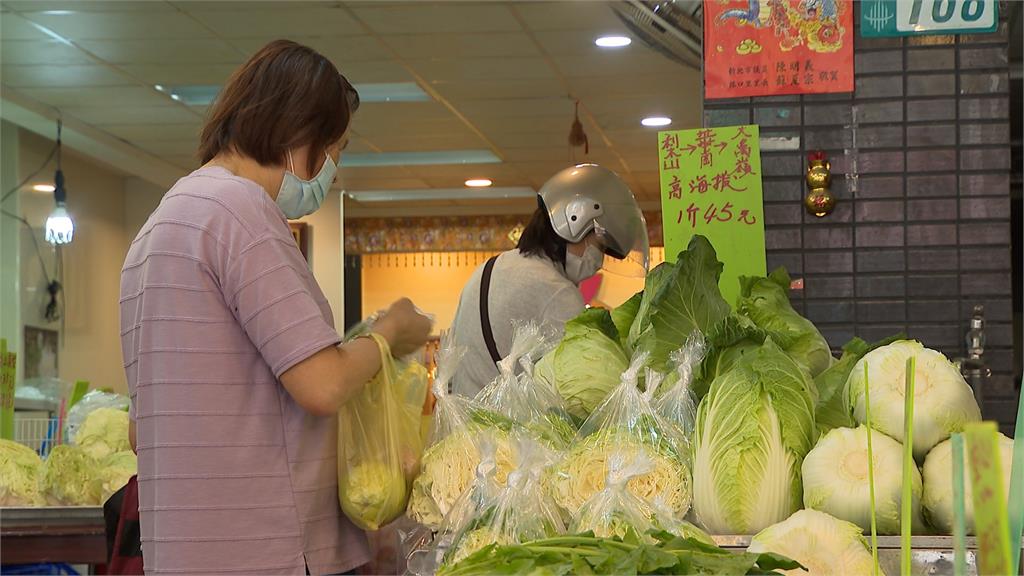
(711, 185)
(880, 18)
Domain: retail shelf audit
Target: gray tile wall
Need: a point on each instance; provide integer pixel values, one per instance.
(920, 156)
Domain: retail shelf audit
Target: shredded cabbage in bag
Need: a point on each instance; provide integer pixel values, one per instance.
(104, 432)
(615, 512)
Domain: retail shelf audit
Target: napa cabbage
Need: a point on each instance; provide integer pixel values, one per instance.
(765, 300)
(103, 432)
(836, 479)
(824, 545)
(753, 430)
(938, 484)
(19, 475)
(68, 477)
(943, 401)
(113, 473)
(832, 407)
(586, 365)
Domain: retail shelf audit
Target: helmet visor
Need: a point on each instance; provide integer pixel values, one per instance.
(622, 232)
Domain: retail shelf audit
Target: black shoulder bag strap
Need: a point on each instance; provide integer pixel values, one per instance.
(485, 315)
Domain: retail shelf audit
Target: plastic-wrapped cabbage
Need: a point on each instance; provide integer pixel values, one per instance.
(753, 430)
(615, 512)
(463, 530)
(104, 432)
(625, 424)
(938, 484)
(92, 401)
(943, 401)
(835, 474)
(586, 365)
(677, 403)
(449, 463)
(19, 475)
(766, 302)
(824, 545)
(67, 478)
(114, 472)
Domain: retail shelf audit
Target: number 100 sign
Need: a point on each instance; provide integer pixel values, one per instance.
(914, 17)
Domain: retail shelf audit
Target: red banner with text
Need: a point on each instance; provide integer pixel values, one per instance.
(775, 47)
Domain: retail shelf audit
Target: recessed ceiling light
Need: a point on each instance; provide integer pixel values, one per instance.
(43, 188)
(656, 121)
(159, 87)
(613, 41)
(58, 12)
(478, 183)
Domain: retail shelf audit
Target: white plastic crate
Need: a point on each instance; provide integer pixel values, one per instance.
(40, 433)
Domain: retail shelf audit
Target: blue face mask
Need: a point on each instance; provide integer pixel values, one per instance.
(298, 197)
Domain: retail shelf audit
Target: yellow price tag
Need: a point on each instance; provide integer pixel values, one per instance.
(990, 515)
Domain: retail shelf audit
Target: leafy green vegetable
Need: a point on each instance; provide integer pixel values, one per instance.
(832, 407)
(67, 477)
(587, 363)
(728, 342)
(824, 545)
(104, 432)
(753, 430)
(624, 315)
(19, 474)
(678, 299)
(588, 554)
(766, 302)
(115, 471)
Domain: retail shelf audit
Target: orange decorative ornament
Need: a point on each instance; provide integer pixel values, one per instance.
(819, 200)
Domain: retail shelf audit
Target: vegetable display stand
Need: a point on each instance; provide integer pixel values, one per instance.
(930, 555)
(72, 535)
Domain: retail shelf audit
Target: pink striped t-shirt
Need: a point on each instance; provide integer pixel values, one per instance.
(216, 303)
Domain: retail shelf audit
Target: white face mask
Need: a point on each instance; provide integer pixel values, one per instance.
(579, 268)
(298, 197)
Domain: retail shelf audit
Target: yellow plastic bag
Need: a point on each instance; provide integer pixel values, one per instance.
(380, 443)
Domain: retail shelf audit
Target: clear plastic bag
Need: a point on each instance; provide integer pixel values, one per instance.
(625, 423)
(526, 401)
(615, 512)
(677, 403)
(473, 507)
(92, 401)
(452, 455)
(379, 446)
(521, 512)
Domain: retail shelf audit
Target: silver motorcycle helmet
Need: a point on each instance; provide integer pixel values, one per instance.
(590, 198)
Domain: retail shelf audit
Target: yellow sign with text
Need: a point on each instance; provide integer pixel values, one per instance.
(711, 185)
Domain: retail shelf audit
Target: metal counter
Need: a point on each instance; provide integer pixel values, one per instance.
(73, 535)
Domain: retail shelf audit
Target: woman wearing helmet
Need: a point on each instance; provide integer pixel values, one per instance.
(587, 219)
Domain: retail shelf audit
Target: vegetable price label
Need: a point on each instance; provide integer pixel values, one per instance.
(711, 185)
(8, 366)
(990, 514)
(880, 18)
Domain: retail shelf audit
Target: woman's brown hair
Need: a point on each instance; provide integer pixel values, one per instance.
(286, 96)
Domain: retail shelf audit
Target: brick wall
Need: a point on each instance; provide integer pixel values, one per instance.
(920, 156)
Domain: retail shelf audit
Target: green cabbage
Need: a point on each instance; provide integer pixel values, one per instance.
(104, 432)
(753, 430)
(943, 402)
(832, 407)
(766, 302)
(587, 363)
(624, 315)
(938, 484)
(824, 545)
(19, 475)
(68, 477)
(678, 299)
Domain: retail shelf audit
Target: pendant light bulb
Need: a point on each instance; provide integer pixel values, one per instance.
(60, 229)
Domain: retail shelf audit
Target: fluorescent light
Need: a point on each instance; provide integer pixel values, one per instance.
(205, 94)
(49, 188)
(58, 12)
(613, 41)
(656, 121)
(479, 183)
(419, 158)
(427, 194)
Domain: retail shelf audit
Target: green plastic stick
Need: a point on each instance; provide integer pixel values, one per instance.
(906, 513)
(991, 521)
(959, 510)
(1016, 504)
(871, 474)
(81, 387)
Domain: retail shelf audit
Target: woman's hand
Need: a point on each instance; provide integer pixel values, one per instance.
(404, 327)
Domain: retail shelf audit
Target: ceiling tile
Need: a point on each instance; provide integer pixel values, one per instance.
(580, 15)
(483, 69)
(362, 183)
(381, 71)
(41, 52)
(498, 89)
(57, 76)
(162, 148)
(121, 25)
(438, 18)
(340, 49)
(560, 106)
(98, 96)
(139, 114)
(28, 6)
(420, 46)
(14, 27)
(254, 21)
(576, 43)
(181, 74)
(620, 64)
(456, 139)
(140, 132)
(164, 51)
(229, 5)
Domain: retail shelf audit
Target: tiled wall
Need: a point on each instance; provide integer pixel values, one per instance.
(921, 161)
